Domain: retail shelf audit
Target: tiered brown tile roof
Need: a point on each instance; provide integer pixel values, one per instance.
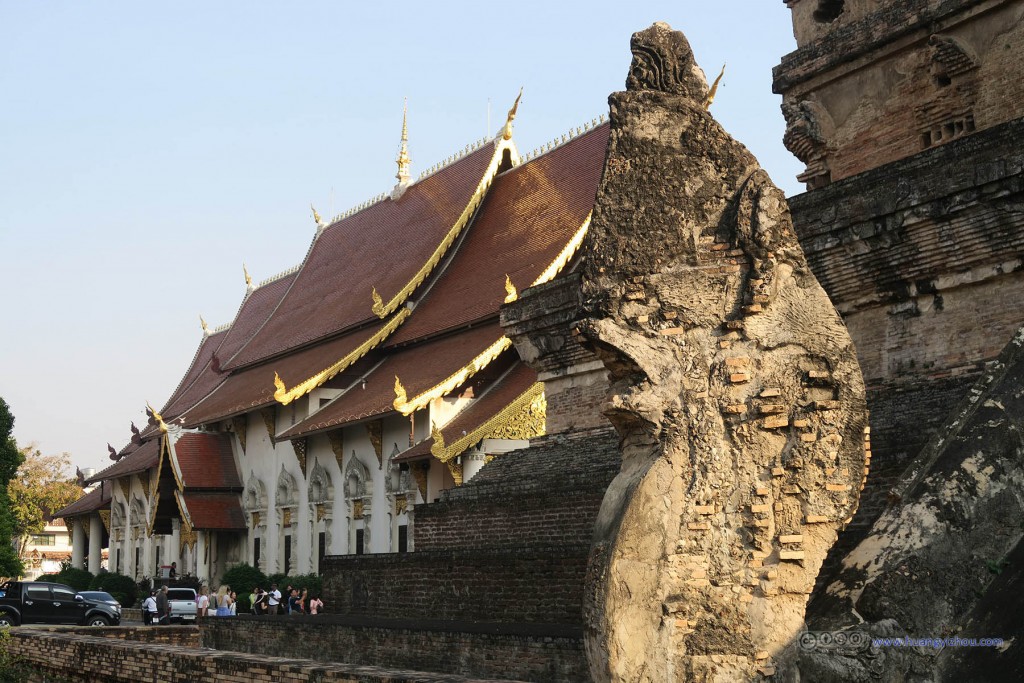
(96, 499)
(254, 311)
(420, 368)
(529, 215)
(253, 387)
(204, 461)
(139, 459)
(208, 510)
(511, 385)
(382, 246)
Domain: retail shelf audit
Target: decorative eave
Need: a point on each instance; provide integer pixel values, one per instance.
(284, 396)
(558, 263)
(446, 452)
(382, 309)
(183, 509)
(406, 406)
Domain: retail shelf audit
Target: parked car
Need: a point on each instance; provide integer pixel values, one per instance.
(39, 602)
(104, 597)
(182, 602)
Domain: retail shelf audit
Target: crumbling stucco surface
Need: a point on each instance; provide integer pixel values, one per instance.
(941, 561)
(734, 387)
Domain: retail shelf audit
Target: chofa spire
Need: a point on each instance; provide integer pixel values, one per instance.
(403, 160)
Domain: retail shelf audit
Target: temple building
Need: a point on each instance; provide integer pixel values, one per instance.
(358, 385)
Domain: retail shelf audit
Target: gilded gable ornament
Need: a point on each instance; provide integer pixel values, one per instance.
(527, 423)
(269, 421)
(419, 473)
(105, 518)
(299, 446)
(187, 537)
(401, 504)
(126, 486)
(456, 471)
(337, 445)
(375, 430)
(239, 424)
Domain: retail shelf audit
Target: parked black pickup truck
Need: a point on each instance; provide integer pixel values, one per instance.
(36, 602)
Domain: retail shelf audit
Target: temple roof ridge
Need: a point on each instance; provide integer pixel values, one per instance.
(376, 199)
(284, 273)
(572, 134)
(451, 159)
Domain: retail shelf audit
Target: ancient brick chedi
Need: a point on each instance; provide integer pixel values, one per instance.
(733, 385)
(908, 116)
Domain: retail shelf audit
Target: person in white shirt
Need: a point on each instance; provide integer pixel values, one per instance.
(203, 603)
(149, 615)
(274, 600)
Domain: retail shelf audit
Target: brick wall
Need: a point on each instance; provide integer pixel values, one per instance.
(490, 650)
(518, 584)
(546, 495)
(883, 98)
(76, 658)
(540, 323)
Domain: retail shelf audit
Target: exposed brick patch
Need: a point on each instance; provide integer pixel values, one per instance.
(492, 650)
(75, 658)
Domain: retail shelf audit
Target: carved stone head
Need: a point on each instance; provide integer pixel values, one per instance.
(663, 60)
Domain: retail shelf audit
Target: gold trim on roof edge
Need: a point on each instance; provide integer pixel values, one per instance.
(564, 256)
(482, 360)
(284, 396)
(445, 452)
(179, 498)
(379, 307)
(406, 406)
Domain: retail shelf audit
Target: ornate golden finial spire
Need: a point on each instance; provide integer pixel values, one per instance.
(506, 132)
(510, 290)
(714, 89)
(206, 328)
(248, 278)
(316, 216)
(158, 417)
(403, 153)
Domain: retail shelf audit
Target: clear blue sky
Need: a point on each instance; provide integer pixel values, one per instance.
(147, 150)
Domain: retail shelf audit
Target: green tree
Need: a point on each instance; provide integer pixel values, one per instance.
(10, 461)
(40, 487)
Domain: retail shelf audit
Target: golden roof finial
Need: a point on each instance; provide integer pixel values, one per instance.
(378, 303)
(158, 417)
(714, 89)
(206, 328)
(316, 216)
(400, 395)
(506, 132)
(510, 290)
(438, 437)
(248, 278)
(279, 388)
(403, 160)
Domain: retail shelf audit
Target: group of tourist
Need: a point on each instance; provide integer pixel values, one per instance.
(220, 604)
(224, 603)
(294, 600)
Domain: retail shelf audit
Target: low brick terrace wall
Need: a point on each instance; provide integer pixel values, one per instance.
(524, 652)
(71, 656)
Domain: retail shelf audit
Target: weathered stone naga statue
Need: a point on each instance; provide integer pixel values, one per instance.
(734, 386)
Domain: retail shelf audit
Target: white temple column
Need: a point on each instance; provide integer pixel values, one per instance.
(77, 543)
(95, 543)
(472, 462)
(202, 557)
(174, 552)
